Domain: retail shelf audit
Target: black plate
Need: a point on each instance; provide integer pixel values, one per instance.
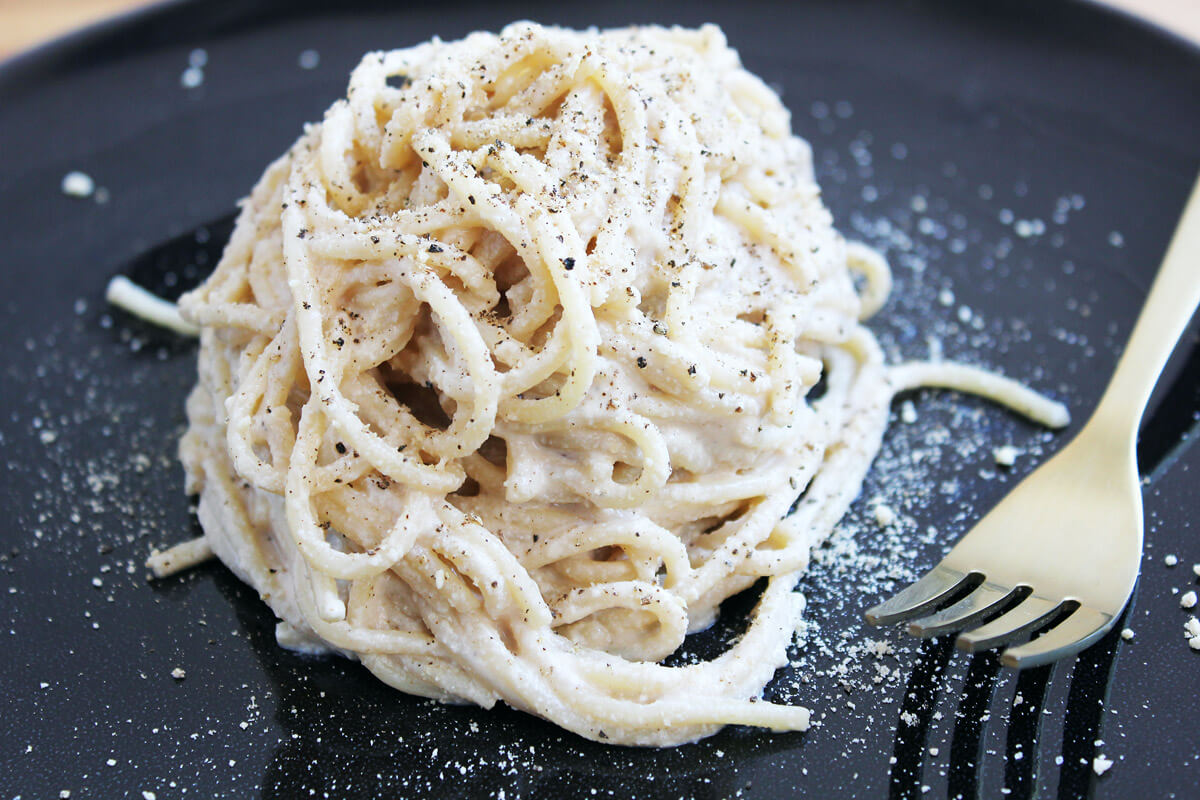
(1050, 148)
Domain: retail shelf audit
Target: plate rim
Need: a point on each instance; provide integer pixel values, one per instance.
(43, 55)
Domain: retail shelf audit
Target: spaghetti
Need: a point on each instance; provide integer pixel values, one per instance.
(506, 378)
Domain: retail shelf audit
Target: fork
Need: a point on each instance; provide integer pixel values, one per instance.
(1061, 551)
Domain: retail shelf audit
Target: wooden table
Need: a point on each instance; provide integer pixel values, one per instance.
(24, 23)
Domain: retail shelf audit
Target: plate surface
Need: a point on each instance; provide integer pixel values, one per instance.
(1022, 167)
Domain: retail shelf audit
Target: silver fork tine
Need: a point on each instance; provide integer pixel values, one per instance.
(933, 586)
(1073, 634)
(1022, 618)
(958, 616)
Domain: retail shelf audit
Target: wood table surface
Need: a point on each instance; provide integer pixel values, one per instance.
(25, 23)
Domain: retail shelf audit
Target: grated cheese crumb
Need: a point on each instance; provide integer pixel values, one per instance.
(178, 673)
(1170, 560)
(78, 184)
(191, 78)
(1101, 765)
(1006, 456)
(1188, 600)
(1127, 634)
(884, 515)
(879, 647)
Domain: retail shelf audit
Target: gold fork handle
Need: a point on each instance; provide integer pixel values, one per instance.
(1171, 302)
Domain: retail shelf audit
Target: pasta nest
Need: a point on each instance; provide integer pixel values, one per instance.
(539, 347)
